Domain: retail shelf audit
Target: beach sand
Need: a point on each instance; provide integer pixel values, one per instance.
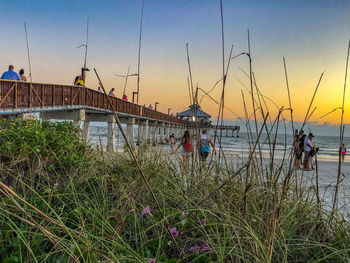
(327, 174)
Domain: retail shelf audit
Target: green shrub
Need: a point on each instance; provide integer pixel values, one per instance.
(57, 144)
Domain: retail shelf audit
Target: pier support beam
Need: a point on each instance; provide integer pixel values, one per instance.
(86, 131)
(176, 131)
(111, 137)
(167, 131)
(130, 131)
(161, 132)
(152, 132)
(171, 128)
(143, 131)
(77, 116)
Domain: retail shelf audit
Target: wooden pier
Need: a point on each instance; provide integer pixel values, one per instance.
(83, 105)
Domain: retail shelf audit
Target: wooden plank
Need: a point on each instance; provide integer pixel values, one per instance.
(71, 95)
(42, 95)
(53, 95)
(62, 96)
(88, 95)
(36, 94)
(7, 94)
(30, 95)
(16, 95)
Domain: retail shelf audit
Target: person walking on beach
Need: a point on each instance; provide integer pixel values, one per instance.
(343, 152)
(21, 74)
(300, 149)
(308, 146)
(296, 149)
(172, 140)
(187, 148)
(11, 74)
(204, 142)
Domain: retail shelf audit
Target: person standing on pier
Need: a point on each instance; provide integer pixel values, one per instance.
(21, 74)
(111, 92)
(79, 81)
(204, 142)
(11, 74)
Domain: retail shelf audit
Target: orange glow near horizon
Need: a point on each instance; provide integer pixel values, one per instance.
(311, 35)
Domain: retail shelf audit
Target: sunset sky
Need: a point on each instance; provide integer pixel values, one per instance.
(311, 35)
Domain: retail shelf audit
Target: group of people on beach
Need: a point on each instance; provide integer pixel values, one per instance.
(304, 146)
(11, 74)
(186, 144)
(305, 150)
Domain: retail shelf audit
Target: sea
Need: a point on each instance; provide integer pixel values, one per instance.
(239, 146)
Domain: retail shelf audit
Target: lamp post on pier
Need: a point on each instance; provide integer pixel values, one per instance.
(155, 105)
(133, 96)
(169, 109)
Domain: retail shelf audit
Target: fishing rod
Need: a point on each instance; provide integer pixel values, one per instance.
(139, 54)
(28, 53)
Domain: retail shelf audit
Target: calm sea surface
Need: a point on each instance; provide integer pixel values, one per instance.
(239, 146)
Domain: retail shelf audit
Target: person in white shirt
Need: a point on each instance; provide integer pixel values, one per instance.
(308, 146)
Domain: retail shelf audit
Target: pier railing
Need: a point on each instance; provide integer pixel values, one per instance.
(17, 95)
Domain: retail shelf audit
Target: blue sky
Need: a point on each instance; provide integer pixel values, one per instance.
(312, 35)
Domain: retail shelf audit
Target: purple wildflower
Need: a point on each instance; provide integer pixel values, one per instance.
(205, 247)
(151, 260)
(184, 213)
(174, 232)
(146, 211)
(194, 249)
(203, 222)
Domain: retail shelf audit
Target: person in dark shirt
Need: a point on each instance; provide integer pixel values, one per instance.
(21, 74)
(299, 148)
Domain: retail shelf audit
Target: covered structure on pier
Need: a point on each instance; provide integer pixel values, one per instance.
(195, 113)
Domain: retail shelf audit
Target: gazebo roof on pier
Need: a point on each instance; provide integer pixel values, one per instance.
(194, 111)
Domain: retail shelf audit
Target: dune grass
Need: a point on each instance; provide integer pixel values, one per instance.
(62, 201)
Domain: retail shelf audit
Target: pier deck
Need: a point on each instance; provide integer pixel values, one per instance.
(83, 105)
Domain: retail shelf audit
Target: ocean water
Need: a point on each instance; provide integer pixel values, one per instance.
(239, 146)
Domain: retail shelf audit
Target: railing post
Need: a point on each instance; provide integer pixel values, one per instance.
(30, 95)
(42, 95)
(62, 95)
(53, 95)
(71, 96)
(16, 95)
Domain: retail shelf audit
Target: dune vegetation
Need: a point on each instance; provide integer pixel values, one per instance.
(63, 201)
